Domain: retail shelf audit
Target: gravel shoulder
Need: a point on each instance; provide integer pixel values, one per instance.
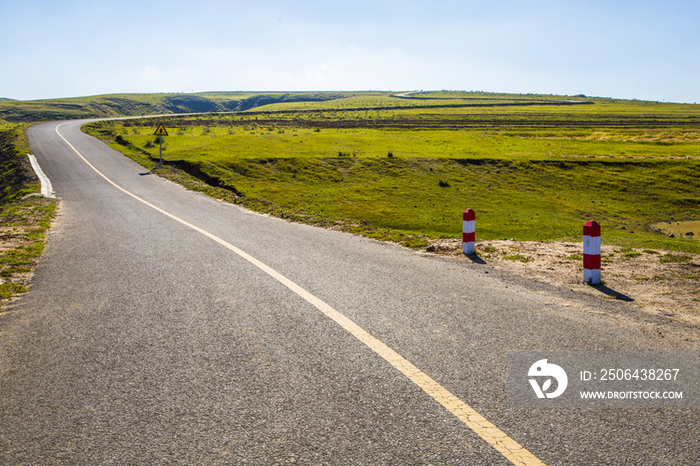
(654, 281)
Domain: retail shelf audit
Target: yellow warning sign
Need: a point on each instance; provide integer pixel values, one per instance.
(161, 131)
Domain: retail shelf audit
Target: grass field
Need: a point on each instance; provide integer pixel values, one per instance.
(532, 167)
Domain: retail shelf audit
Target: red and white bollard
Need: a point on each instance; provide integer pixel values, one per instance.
(468, 231)
(591, 253)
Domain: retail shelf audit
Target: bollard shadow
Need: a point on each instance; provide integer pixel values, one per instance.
(476, 259)
(612, 293)
(145, 174)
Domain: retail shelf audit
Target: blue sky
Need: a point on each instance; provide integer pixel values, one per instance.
(647, 50)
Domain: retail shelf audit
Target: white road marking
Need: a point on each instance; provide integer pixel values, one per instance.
(46, 188)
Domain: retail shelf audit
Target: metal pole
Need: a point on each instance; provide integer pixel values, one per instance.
(160, 163)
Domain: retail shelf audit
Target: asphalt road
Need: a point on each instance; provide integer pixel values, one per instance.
(149, 337)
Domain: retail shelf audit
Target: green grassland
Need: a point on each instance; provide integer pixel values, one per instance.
(532, 167)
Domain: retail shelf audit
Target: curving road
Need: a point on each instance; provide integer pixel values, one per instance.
(164, 327)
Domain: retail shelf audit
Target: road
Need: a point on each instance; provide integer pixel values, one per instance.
(165, 327)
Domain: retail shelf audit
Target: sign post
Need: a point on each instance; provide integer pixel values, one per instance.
(160, 132)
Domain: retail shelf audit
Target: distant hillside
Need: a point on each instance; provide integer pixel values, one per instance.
(4, 99)
(127, 105)
(117, 105)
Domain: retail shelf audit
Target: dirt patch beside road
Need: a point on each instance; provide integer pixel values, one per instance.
(23, 226)
(657, 282)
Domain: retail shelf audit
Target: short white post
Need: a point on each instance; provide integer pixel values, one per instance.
(468, 231)
(591, 253)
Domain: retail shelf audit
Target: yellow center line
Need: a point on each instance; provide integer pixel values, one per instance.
(494, 436)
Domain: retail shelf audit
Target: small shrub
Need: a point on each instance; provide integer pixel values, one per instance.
(9, 289)
(415, 242)
(675, 258)
(517, 258)
(444, 184)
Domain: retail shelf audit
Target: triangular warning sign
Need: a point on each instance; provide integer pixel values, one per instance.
(161, 131)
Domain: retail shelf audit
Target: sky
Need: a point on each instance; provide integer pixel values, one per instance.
(647, 50)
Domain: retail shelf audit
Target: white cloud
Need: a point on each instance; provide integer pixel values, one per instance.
(316, 74)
